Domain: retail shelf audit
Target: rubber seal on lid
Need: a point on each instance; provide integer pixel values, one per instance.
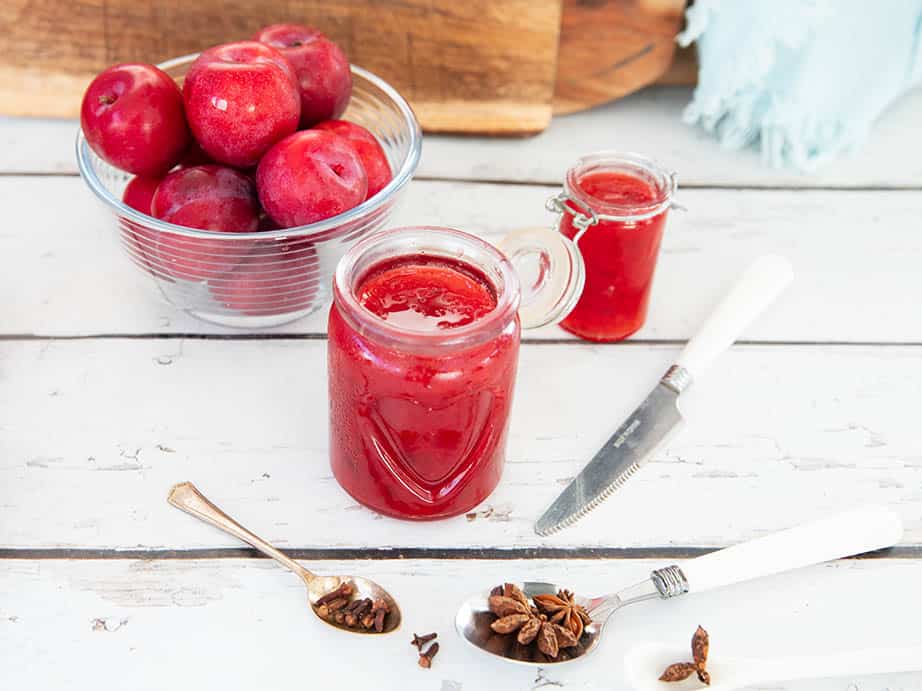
(551, 273)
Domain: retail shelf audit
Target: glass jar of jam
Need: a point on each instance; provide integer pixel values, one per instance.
(614, 207)
(423, 348)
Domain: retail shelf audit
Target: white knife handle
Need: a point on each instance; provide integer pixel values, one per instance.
(755, 290)
(842, 535)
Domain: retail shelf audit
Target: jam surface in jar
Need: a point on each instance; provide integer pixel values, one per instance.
(620, 256)
(418, 428)
(426, 293)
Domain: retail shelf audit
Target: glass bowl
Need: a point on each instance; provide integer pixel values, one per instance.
(265, 278)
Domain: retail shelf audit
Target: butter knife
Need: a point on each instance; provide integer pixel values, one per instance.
(658, 416)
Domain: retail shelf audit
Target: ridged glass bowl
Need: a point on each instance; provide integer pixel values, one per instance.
(266, 278)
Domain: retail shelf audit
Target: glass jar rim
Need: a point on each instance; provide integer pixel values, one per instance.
(508, 291)
(666, 184)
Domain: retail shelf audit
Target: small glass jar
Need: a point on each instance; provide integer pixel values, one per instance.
(614, 208)
(418, 419)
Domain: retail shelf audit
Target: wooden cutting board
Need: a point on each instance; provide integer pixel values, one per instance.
(609, 48)
(472, 66)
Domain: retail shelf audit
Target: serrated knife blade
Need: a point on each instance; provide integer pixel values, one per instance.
(658, 416)
(638, 437)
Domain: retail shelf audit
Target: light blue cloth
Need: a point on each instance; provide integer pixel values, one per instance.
(803, 79)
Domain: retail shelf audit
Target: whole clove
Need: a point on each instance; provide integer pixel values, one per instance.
(358, 612)
(420, 641)
(345, 590)
(354, 612)
(328, 610)
(426, 654)
(337, 606)
(379, 609)
(425, 658)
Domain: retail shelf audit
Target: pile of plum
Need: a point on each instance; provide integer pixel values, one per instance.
(251, 142)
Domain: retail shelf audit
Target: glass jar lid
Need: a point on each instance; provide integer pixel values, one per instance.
(551, 274)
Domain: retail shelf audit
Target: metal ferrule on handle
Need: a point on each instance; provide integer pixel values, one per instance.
(669, 581)
(677, 378)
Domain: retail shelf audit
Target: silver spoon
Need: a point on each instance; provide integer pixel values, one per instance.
(186, 496)
(841, 535)
(645, 663)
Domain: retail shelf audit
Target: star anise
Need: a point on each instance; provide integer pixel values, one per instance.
(515, 614)
(562, 609)
(683, 670)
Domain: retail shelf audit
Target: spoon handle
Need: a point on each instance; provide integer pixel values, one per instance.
(186, 496)
(841, 535)
(849, 663)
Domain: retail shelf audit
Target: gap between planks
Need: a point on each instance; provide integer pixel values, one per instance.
(526, 341)
(685, 186)
(397, 553)
(553, 185)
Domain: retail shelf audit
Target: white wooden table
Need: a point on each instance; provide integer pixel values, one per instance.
(108, 397)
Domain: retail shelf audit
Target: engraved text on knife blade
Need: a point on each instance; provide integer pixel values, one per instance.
(625, 451)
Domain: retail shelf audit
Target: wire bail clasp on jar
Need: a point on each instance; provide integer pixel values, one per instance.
(583, 215)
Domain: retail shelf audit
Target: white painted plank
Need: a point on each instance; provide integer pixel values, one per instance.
(856, 255)
(243, 624)
(649, 121)
(37, 145)
(94, 432)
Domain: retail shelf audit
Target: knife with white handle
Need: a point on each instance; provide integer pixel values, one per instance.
(658, 416)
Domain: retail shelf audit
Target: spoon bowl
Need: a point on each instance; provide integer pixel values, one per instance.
(472, 622)
(364, 588)
(186, 497)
